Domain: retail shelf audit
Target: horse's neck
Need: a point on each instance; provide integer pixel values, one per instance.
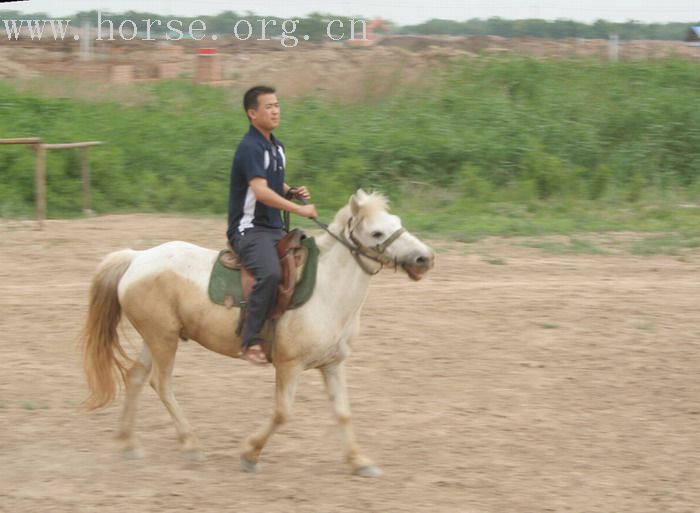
(341, 283)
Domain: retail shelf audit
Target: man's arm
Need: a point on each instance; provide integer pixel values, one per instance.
(265, 195)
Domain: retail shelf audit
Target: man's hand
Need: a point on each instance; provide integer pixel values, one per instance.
(302, 193)
(307, 211)
(268, 197)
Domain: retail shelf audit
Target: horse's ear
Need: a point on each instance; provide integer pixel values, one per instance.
(354, 205)
(356, 201)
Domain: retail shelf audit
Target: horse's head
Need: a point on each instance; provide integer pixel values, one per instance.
(380, 235)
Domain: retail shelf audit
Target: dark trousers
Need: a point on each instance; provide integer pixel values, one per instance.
(257, 248)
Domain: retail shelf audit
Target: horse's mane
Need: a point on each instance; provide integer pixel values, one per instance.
(374, 202)
(370, 203)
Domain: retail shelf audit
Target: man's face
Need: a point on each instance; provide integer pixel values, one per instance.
(267, 115)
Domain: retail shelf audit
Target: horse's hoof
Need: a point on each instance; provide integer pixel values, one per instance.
(249, 466)
(369, 471)
(195, 455)
(134, 453)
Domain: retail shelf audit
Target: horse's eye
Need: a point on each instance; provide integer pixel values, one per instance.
(377, 235)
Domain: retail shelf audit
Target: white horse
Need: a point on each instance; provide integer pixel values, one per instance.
(163, 293)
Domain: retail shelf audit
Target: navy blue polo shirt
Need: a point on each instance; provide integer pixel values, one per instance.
(255, 157)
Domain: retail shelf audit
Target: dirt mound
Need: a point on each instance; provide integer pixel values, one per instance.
(347, 73)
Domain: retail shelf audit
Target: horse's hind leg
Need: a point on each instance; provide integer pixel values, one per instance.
(334, 378)
(163, 349)
(135, 378)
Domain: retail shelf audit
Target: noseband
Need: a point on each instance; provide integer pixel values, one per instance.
(375, 253)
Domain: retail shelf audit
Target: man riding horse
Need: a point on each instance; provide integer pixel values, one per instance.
(257, 194)
(164, 292)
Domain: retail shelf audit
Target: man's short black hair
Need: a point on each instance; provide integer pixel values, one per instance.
(250, 98)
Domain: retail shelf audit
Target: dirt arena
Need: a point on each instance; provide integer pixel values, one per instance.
(509, 380)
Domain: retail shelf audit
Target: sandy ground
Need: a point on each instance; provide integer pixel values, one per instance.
(509, 380)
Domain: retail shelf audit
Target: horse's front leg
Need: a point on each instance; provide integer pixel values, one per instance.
(287, 378)
(334, 377)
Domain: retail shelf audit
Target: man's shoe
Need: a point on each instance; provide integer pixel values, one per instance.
(256, 355)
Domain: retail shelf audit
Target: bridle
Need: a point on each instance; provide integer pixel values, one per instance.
(374, 253)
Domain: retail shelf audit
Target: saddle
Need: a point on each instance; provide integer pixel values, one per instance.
(292, 255)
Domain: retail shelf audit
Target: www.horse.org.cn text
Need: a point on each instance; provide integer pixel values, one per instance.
(105, 29)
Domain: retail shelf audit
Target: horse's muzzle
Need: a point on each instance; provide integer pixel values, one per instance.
(418, 264)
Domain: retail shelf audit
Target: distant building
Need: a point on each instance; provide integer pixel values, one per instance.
(693, 36)
(370, 33)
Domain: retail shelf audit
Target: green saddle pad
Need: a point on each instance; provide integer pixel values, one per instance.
(227, 282)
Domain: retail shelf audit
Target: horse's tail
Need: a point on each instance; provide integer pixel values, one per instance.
(103, 355)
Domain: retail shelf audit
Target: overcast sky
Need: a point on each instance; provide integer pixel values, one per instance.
(400, 11)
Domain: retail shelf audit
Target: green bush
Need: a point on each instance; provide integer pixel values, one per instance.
(544, 134)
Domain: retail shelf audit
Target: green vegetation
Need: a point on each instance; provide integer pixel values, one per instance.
(506, 146)
(600, 29)
(668, 244)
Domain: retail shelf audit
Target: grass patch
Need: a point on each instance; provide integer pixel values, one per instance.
(443, 213)
(31, 406)
(465, 237)
(669, 244)
(573, 246)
